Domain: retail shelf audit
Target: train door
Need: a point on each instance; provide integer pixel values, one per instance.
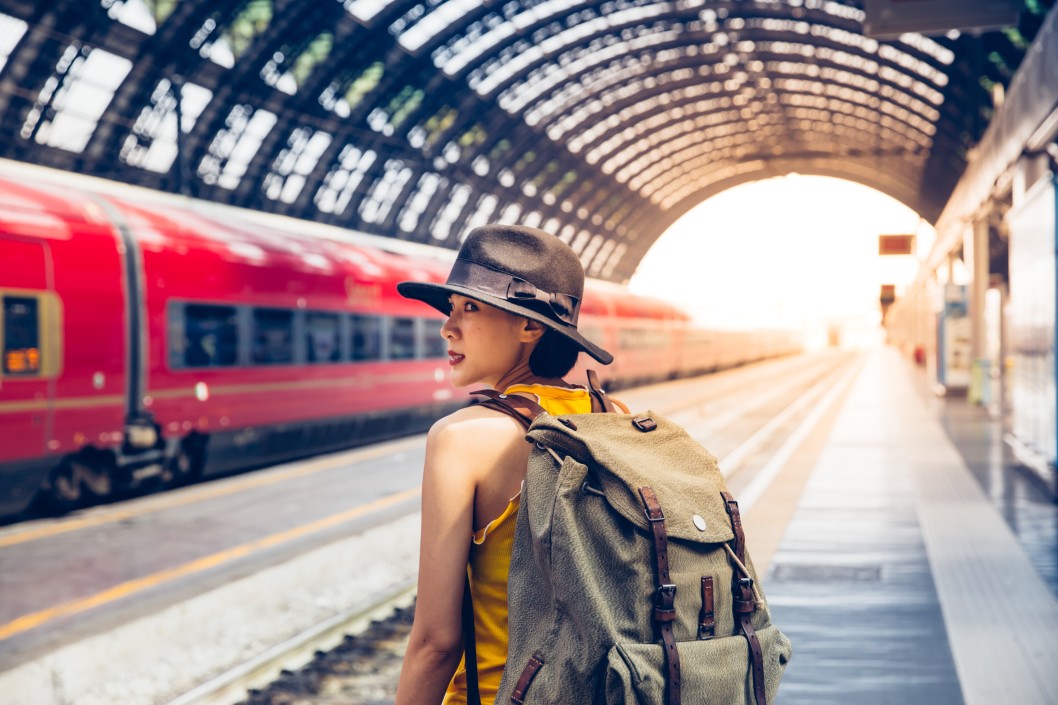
(28, 357)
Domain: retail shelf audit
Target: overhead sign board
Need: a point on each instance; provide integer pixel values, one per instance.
(896, 244)
(888, 19)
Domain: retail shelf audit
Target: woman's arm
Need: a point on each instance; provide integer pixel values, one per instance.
(456, 458)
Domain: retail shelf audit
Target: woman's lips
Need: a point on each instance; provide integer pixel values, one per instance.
(454, 358)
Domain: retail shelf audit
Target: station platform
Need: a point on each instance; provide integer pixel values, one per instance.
(903, 552)
(918, 563)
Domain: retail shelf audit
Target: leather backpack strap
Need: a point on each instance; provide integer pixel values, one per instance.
(665, 596)
(470, 652)
(523, 410)
(743, 602)
(600, 403)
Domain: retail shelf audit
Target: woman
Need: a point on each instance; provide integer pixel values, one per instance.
(512, 300)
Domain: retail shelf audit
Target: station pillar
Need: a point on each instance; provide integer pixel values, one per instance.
(976, 250)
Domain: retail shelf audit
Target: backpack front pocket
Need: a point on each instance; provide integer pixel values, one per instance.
(714, 672)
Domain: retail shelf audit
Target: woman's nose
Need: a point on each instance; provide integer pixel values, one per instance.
(448, 329)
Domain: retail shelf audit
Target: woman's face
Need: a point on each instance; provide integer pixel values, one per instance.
(484, 343)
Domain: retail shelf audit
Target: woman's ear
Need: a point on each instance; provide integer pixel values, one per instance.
(531, 330)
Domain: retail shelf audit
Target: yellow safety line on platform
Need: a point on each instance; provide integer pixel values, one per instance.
(36, 619)
(204, 492)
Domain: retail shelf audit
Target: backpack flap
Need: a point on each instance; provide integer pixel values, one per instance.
(622, 456)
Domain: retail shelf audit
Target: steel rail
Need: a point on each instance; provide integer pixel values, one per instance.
(295, 652)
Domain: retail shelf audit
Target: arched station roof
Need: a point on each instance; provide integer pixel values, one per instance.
(602, 122)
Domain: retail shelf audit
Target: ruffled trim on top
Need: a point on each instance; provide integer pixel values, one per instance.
(512, 508)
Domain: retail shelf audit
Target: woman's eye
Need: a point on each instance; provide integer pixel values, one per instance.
(470, 306)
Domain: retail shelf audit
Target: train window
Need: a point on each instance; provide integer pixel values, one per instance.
(367, 338)
(273, 337)
(322, 343)
(210, 336)
(433, 344)
(21, 326)
(402, 339)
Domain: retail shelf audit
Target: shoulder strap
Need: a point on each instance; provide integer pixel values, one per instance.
(600, 403)
(665, 596)
(523, 410)
(470, 652)
(743, 600)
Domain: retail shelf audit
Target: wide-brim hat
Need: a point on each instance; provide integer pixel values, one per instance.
(521, 270)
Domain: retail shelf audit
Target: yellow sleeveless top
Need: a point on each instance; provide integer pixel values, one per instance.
(490, 560)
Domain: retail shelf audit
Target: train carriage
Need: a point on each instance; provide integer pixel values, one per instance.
(152, 340)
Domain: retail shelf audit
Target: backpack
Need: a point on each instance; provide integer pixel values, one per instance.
(629, 579)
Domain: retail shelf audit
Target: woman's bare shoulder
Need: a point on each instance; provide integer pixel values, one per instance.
(474, 430)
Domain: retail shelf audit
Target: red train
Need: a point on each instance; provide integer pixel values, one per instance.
(159, 340)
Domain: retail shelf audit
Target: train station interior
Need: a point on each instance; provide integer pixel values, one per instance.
(214, 402)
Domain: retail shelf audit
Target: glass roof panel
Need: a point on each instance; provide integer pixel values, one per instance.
(152, 144)
(520, 21)
(416, 205)
(573, 36)
(234, 146)
(457, 62)
(341, 182)
(366, 9)
(252, 19)
(131, 13)
(11, 32)
(486, 207)
(292, 167)
(523, 93)
(928, 46)
(161, 9)
(378, 203)
(442, 225)
(76, 103)
(441, 18)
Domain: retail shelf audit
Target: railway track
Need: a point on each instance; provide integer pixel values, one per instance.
(354, 657)
(361, 670)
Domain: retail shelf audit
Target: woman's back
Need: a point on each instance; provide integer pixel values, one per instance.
(490, 559)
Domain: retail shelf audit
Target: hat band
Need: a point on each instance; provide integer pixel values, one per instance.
(565, 307)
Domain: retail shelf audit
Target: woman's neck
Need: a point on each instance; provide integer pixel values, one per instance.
(522, 374)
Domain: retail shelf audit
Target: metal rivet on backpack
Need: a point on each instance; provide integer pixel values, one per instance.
(699, 522)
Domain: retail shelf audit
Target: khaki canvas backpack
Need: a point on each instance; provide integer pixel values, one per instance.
(629, 579)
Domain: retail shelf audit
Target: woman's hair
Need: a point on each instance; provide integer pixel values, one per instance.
(553, 356)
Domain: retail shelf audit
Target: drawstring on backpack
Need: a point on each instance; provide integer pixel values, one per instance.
(744, 570)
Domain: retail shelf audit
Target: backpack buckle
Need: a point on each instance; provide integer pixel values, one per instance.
(744, 600)
(665, 596)
(664, 603)
(644, 423)
(654, 518)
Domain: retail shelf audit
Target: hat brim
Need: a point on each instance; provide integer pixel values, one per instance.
(436, 295)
